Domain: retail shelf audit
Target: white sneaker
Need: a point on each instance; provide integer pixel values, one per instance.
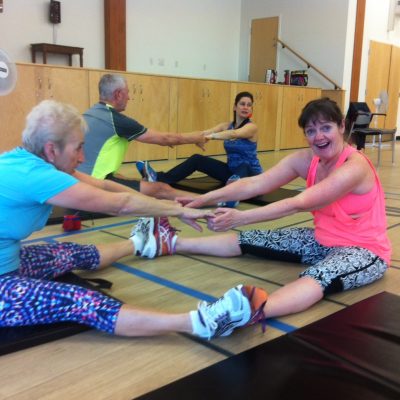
(221, 317)
(140, 233)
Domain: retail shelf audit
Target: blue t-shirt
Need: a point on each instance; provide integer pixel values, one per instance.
(26, 183)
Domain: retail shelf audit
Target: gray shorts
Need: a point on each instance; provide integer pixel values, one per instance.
(334, 268)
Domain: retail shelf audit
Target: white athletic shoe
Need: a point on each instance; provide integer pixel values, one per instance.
(221, 317)
(140, 233)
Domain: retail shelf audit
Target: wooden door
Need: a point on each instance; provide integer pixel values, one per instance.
(264, 32)
(393, 89)
(294, 99)
(202, 104)
(15, 106)
(265, 110)
(377, 76)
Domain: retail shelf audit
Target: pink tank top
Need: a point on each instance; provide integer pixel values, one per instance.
(334, 224)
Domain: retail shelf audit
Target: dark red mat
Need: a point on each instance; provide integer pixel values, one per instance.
(352, 354)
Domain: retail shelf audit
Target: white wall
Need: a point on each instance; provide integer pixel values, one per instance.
(208, 38)
(26, 21)
(181, 37)
(317, 30)
(170, 37)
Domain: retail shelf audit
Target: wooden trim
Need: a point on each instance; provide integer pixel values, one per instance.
(357, 50)
(115, 34)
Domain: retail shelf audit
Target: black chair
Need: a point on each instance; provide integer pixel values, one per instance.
(358, 121)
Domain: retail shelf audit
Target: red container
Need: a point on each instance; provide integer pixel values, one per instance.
(71, 223)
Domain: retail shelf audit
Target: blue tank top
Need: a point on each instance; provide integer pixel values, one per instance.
(242, 151)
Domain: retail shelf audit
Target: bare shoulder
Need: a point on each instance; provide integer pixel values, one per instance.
(299, 161)
(358, 169)
(358, 161)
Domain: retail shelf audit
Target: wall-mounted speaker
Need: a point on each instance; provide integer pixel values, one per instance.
(55, 12)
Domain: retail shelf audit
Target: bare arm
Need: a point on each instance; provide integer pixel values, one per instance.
(285, 171)
(171, 139)
(88, 195)
(104, 184)
(354, 176)
(221, 132)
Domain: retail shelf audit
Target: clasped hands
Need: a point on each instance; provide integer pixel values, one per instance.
(218, 220)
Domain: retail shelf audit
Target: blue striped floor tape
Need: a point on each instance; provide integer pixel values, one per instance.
(191, 292)
(153, 278)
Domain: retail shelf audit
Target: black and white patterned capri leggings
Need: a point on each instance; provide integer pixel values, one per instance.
(335, 268)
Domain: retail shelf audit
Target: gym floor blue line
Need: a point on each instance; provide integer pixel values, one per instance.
(183, 289)
(191, 292)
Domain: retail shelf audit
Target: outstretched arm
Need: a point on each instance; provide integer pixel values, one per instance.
(354, 176)
(285, 171)
(171, 139)
(221, 132)
(91, 194)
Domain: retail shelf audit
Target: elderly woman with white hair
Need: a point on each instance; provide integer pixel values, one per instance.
(41, 174)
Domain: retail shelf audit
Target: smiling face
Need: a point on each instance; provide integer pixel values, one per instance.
(325, 138)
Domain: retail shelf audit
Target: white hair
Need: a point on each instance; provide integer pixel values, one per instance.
(51, 121)
(108, 84)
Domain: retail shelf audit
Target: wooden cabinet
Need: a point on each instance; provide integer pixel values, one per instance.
(149, 105)
(34, 84)
(163, 103)
(68, 85)
(293, 101)
(265, 110)
(15, 106)
(202, 104)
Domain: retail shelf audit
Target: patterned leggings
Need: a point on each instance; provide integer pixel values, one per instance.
(29, 297)
(335, 268)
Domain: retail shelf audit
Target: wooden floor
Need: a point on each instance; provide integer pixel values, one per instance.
(92, 365)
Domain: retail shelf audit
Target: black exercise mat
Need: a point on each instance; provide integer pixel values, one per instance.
(206, 184)
(352, 354)
(22, 337)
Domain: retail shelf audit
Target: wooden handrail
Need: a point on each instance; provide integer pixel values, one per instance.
(309, 65)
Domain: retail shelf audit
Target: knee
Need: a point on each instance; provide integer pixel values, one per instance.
(159, 190)
(196, 158)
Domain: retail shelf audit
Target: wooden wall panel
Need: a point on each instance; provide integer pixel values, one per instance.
(357, 50)
(115, 34)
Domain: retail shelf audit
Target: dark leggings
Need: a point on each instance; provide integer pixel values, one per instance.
(335, 268)
(218, 170)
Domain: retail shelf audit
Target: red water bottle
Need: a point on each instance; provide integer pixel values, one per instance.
(71, 223)
(287, 77)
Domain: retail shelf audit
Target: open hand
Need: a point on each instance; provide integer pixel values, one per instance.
(224, 219)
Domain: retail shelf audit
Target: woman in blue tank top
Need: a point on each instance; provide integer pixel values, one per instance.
(240, 143)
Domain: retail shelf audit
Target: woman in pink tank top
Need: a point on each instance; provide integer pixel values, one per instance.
(348, 246)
